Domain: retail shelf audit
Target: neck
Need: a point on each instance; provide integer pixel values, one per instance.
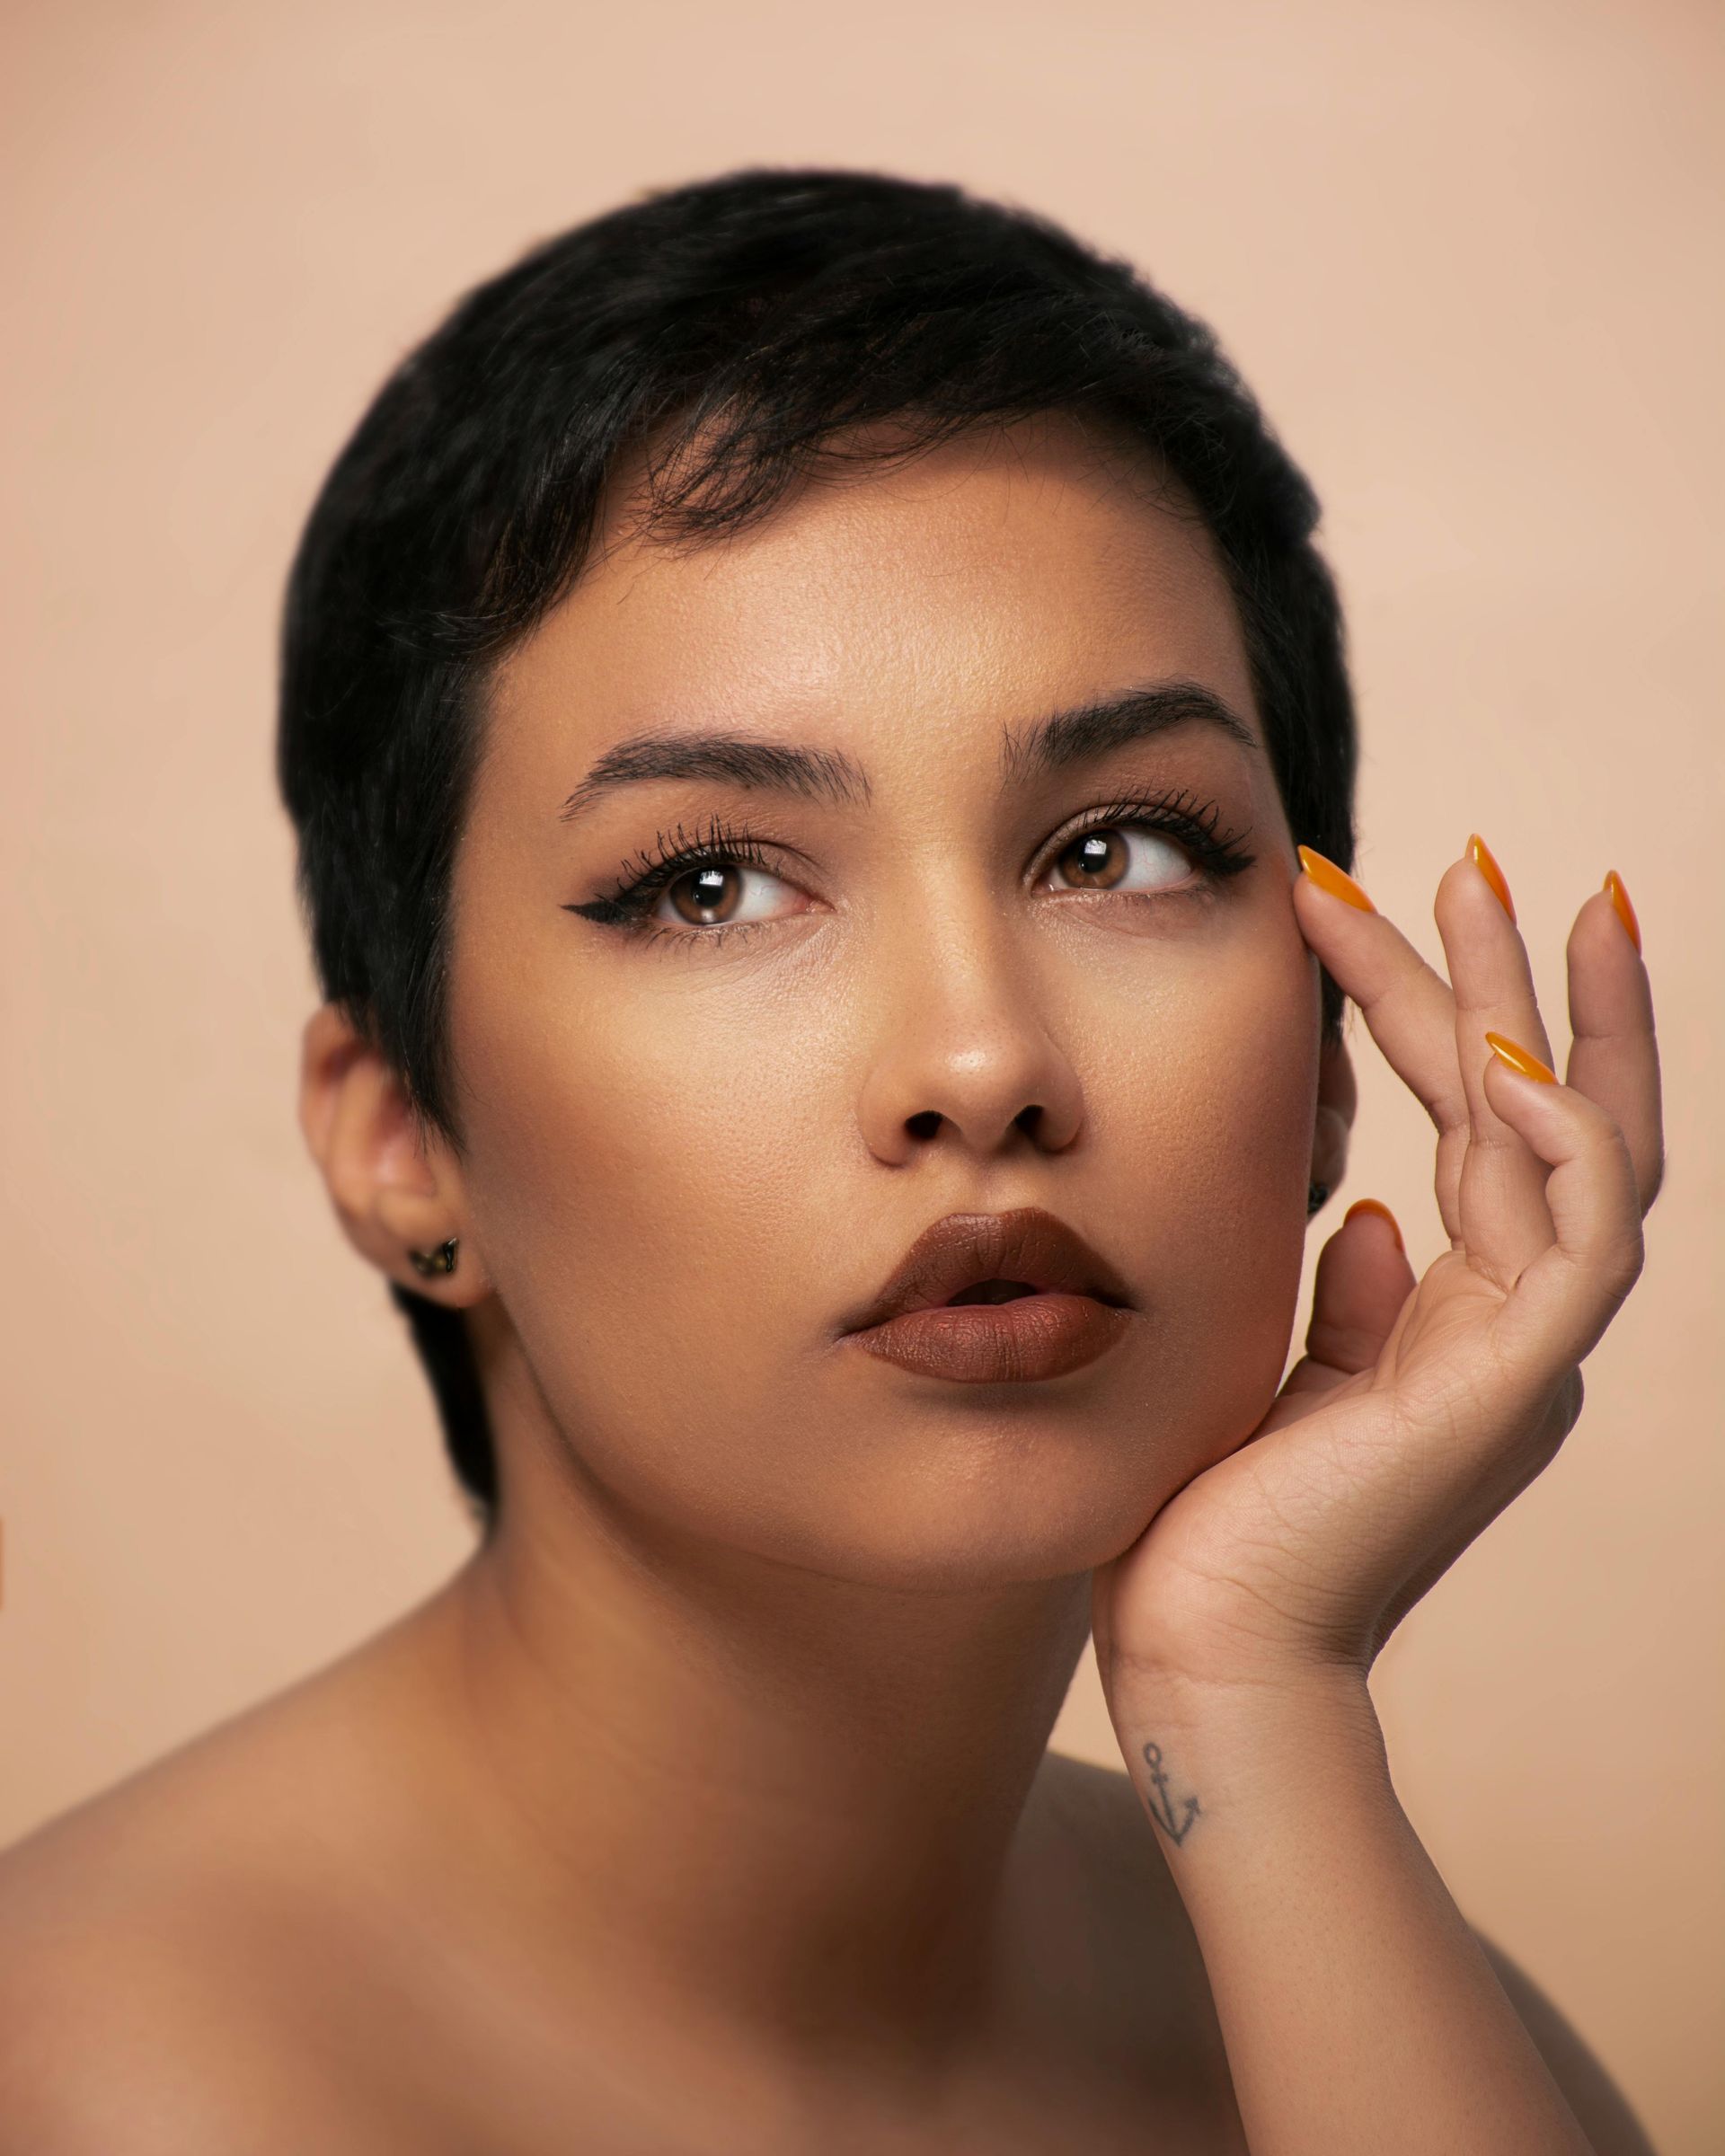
(723, 1780)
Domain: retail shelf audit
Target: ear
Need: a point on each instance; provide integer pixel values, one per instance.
(395, 1189)
(1338, 1098)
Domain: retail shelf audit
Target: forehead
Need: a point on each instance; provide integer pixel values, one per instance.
(919, 604)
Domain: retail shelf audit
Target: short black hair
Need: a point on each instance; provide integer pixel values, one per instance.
(727, 330)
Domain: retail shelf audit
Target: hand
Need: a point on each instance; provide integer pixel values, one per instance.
(1419, 1409)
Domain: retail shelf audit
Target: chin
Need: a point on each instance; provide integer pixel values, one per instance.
(1008, 1502)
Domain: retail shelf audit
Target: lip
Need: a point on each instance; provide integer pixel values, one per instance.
(1080, 1308)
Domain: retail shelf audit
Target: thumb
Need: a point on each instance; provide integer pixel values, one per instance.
(1363, 1279)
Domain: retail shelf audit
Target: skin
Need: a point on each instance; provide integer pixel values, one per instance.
(844, 1605)
(716, 1785)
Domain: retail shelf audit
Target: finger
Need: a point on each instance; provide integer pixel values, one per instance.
(1407, 1005)
(1504, 1221)
(1613, 1058)
(1362, 1281)
(1560, 1303)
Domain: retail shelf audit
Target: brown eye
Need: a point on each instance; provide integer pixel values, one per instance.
(701, 897)
(715, 895)
(1097, 861)
(1103, 860)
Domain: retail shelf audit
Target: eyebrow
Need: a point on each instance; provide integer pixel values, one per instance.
(1092, 729)
(1045, 746)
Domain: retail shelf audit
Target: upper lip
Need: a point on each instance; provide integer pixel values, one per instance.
(963, 1248)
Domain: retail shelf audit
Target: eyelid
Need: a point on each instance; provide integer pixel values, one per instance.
(643, 879)
(1195, 827)
(1199, 874)
(1216, 856)
(732, 856)
(714, 838)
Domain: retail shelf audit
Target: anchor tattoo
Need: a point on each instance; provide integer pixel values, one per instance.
(1161, 1806)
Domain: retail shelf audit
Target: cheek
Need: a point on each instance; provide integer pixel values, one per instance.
(1227, 1147)
(640, 1171)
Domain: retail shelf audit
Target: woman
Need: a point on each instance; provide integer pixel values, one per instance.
(823, 761)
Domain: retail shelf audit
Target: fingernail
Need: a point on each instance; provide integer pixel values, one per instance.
(1337, 881)
(1375, 1205)
(1521, 1059)
(1480, 855)
(1613, 884)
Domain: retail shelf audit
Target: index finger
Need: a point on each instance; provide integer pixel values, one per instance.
(1408, 1006)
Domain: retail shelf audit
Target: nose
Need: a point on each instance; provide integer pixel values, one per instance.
(965, 1053)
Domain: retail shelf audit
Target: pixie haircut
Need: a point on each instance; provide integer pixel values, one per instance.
(722, 333)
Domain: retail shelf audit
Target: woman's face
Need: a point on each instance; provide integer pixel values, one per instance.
(951, 976)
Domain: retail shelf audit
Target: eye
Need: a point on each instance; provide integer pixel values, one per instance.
(1123, 857)
(716, 895)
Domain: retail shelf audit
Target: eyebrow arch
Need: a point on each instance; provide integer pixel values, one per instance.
(1092, 729)
(1050, 744)
(779, 767)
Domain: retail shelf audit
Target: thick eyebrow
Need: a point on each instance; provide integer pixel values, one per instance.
(818, 774)
(1050, 744)
(1092, 729)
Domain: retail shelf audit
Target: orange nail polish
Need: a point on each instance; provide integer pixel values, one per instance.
(1479, 854)
(1337, 881)
(1613, 884)
(1376, 1204)
(1521, 1059)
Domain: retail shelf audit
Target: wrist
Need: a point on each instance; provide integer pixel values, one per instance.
(1248, 1745)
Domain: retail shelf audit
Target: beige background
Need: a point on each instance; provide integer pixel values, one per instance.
(1466, 255)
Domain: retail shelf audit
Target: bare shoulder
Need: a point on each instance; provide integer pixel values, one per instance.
(161, 1944)
(1135, 1955)
(134, 2016)
(1600, 2106)
(1142, 1936)
(123, 2045)
(1100, 1809)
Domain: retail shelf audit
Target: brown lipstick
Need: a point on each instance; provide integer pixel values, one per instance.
(996, 1298)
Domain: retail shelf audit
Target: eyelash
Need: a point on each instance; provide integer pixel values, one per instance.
(1218, 856)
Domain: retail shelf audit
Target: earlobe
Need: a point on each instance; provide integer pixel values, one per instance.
(393, 1195)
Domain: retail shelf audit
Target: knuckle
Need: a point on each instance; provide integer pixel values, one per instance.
(1625, 1257)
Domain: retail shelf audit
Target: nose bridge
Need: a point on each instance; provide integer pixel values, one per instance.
(965, 1036)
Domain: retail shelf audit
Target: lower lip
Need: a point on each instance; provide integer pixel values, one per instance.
(998, 1343)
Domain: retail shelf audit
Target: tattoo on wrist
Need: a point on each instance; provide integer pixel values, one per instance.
(1175, 1818)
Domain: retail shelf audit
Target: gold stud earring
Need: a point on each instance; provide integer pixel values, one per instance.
(440, 1261)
